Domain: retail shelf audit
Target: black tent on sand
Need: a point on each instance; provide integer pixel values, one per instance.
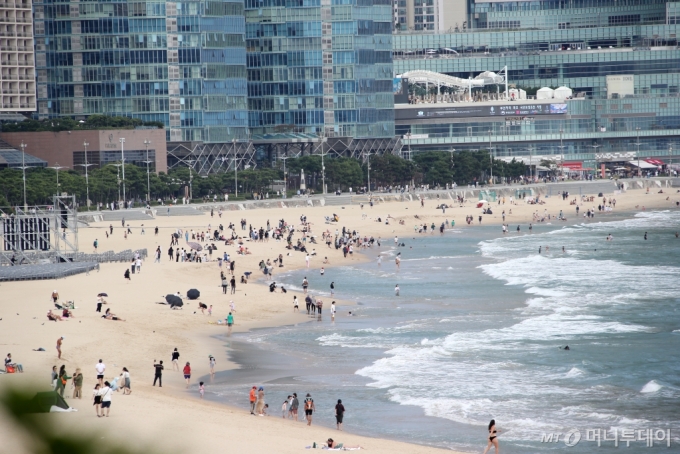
(48, 402)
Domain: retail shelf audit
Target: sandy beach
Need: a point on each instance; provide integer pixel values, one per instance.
(169, 418)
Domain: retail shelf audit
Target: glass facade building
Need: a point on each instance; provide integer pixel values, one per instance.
(320, 68)
(179, 63)
(580, 44)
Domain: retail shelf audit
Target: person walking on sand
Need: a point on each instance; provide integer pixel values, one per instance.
(125, 375)
(211, 363)
(493, 437)
(158, 373)
(55, 296)
(295, 304)
(232, 283)
(259, 408)
(100, 367)
(106, 393)
(252, 397)
(230, 322)
(59, 342)
(339, 413)
(175, 359)
(187, 373)
(309, 409)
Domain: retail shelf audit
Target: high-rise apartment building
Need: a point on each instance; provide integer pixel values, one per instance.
(17, 76)
(179, 63)
(430, 15)
(320, 68)
(619, 58)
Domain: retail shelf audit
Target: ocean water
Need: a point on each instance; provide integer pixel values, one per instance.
(476, 334)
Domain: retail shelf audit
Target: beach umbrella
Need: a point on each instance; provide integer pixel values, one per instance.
(195, 246)
(103, 294)
(174, 300)
(193, 294)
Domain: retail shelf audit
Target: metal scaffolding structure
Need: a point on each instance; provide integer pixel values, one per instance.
(206, 158)
(334, 146)
(33, 234)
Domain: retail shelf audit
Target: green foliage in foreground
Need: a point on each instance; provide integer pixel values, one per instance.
(46, 434)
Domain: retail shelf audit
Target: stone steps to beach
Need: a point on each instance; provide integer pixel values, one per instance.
(178, 210)
(129, 215)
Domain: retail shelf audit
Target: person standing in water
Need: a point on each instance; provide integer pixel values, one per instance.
(493, 437)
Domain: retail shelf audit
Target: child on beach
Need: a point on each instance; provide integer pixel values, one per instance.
(201, 389)
(284, 408)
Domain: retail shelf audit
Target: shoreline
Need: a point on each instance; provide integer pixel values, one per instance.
(132, 344)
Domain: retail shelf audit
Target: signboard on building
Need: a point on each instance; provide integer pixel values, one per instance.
(472, 110)
(621, 85)
(400, 89)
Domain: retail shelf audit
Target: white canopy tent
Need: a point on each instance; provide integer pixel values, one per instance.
(545, 93)
(643, 164)
(563, 93)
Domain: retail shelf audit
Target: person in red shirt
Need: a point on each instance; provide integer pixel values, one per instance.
(187, 373)
(253, 399)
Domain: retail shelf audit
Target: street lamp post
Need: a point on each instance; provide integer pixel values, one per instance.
(531, 162)
(285, 179)
(147, 142)
(562, 152)
(638, 151)
(233, 149)
(57, 167)
(122, 155)
(490, 156)
(595, 146)
(23, 170)
(368, 169)
(87, 178)
(323, 165)
(118, 166)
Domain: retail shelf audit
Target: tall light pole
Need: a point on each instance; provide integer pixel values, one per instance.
(638, 151)
(118, 166)
(23, 170)
(323, 166)
(285, 177)
(57, 167)
(233, 149)
(122, 155)
(595, 147)
(87, 178)
(147, 142)
(562, 152)
(368, 168)
(191, 178)
(490, 156)
(531, 162)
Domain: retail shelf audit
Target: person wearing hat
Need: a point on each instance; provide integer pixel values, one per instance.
(260, 401)
(253, 399)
